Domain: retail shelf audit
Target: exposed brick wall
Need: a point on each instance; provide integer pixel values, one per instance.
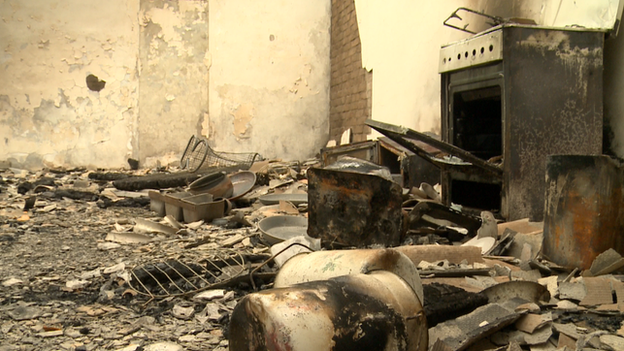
(351, 85)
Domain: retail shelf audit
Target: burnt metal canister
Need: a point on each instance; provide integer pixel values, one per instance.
(583, 214)
(354, 203)
(322, 265)
(375, 311)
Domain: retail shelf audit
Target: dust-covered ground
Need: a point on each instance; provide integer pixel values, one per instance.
(64, 286)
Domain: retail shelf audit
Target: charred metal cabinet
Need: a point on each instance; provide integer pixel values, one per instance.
(523, 93)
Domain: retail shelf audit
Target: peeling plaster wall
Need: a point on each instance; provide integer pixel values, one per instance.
(269, 78)
(48, 116)
(173, 81)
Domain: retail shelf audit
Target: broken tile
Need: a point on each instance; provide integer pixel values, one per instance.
(531, 275)
(50, 334)
(465, 330)
(114, 269)
(91, 274)
(618, 287)
(209, 295)
(182, 312)
(539, 336)
(128, 238)
(613, 341)
(530, 322)
(566, 341)
(76, 284)
(567, 305)
(551, 284)
(147, 226)
(547, 346)
(598, 292)
(572, 291)
(233, 240)
(530, 307)
(163, 346)
(107, 246)
(568, 329)
(607, 262)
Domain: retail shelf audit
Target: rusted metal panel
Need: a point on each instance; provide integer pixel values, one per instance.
(584, 215)
(555, 107)
(376, 311)
(404, 137)
(349, 207)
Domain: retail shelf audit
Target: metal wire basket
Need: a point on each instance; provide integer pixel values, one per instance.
(164, 278)
(198, 154)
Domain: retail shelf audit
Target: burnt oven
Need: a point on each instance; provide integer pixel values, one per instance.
(513, 95)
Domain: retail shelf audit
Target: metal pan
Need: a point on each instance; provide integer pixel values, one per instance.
(276, 229)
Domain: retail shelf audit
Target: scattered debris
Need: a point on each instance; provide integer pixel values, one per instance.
(107, 264)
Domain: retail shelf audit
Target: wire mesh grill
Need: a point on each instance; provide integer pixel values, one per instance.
(175, 277)
(198, 154)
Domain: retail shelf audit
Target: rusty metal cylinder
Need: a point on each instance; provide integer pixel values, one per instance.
(583, 214)
(375, 311)
(354, 203)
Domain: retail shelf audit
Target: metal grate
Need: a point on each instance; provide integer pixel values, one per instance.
(198, 154)
(175, 277)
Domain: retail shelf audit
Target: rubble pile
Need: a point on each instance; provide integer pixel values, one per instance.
(89, 263)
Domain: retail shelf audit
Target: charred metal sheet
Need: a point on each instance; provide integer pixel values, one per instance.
(413, 168)
(418, 219)
(583, 215)
(349, 206)
(554, 108)
(376, 311)
(403, 136)
(365, 150)
(386, 152)
(446, 302)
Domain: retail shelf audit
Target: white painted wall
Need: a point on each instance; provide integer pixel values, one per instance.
(47, 113)
(269, 77)
(401, 40)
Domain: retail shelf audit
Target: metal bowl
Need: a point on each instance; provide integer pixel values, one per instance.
(276, 229)
(217, 183)
(242, 183)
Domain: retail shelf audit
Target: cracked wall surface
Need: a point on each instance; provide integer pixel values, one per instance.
(48, 115)
(173, 77)
(269, 77)
(94, 83)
